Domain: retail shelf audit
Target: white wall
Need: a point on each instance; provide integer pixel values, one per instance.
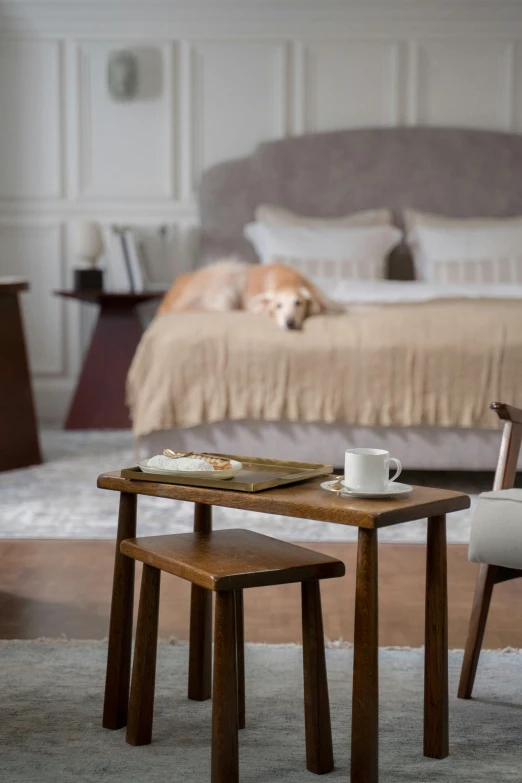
(215, 79)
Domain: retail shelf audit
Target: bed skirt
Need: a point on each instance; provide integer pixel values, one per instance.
(418, 448)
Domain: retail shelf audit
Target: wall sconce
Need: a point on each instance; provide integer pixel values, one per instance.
(122, 75)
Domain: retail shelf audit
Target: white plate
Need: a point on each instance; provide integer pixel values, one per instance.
(394, 488)
(204, 474)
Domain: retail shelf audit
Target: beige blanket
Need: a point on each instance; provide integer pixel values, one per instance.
(434, 364)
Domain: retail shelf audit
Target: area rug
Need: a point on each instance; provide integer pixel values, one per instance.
(59, 499)
(51, 699)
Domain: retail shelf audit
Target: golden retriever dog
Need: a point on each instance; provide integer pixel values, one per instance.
(275, 290)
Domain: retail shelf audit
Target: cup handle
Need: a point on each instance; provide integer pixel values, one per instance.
(399, 468)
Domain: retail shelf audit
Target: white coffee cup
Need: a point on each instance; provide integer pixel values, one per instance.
(368, 470)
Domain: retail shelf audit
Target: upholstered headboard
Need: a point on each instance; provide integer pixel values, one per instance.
(461, 173)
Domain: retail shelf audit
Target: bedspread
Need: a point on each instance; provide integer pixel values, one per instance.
(434, 363)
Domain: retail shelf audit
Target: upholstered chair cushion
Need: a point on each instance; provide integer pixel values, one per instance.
(496, 531)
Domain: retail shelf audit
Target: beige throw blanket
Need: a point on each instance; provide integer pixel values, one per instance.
(434, 364)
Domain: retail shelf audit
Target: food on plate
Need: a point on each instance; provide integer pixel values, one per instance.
(194, 463)
(217, 463)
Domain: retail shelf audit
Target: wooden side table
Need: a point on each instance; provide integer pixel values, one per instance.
(99, 399)
(19, 446)
(307, 501)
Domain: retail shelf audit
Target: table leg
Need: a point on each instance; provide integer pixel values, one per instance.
(141, 701)
(365, 700)
(318, 730)
(225, 757)
(97, 404)
(200, 656)
(436, 740)
(240, 641)
(120, 630)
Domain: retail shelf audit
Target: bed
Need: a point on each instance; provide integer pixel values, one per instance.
(412, 372)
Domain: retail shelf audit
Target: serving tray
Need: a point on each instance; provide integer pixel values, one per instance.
(255, 475)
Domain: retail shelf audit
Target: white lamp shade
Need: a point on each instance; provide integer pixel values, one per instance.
(86, 238)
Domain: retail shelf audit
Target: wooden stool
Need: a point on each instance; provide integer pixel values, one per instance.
(227, 562)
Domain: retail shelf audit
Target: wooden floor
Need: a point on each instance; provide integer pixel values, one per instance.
(49, 588)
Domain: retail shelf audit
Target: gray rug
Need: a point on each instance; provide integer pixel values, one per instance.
(51, 698)
(60, 500)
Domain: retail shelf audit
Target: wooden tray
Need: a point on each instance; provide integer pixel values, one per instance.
(255, 475)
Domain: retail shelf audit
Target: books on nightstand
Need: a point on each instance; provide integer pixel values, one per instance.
(138, 260)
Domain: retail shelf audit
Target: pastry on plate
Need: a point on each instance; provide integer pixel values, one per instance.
(217, 463)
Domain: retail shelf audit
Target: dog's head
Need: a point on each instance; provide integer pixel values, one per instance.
(288, 307)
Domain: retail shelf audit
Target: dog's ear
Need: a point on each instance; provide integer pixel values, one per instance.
(313, 305)
(261, 304)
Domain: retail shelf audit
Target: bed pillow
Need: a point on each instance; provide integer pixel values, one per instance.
(473, 250)
(357, 253)
(279, 216)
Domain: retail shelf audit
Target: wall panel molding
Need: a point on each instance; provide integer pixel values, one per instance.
(34, 250)
(350, 83)
(517, 87)
(126, 148)
(464, 83)
(509, 107)
(31, 97)
(186, 121)
(238, 98)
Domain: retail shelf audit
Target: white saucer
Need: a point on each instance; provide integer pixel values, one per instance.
(394, 488)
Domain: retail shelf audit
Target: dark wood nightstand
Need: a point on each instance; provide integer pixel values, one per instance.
(19, 446)
(99, 399)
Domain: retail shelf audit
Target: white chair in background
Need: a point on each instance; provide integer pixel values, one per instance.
(496, 539)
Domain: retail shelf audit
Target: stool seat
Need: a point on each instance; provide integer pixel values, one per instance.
(232, 559)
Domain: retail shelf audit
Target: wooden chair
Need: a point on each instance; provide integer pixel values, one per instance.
(490, 575)
(227, 562)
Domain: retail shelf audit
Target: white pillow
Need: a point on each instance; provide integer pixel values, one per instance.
(474, 250)
(344, 253)
(279, 216)
(473, 255)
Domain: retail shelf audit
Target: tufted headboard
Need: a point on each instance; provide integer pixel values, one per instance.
(453, 172)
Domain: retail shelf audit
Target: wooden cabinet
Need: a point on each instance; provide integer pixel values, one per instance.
(19, 446)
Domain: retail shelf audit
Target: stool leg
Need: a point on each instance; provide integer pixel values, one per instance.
(365, 694)
(200, 654)
(436, 717)
(225, 761)
(319, 752)
(117, 680)
(141, 704)
(240, 641)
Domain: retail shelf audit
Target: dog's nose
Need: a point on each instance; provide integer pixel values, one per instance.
(291, 324)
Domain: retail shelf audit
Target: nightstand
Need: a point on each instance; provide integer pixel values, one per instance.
(19, 446)
(99, 399)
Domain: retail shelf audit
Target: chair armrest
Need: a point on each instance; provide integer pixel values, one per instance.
(507, 412)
